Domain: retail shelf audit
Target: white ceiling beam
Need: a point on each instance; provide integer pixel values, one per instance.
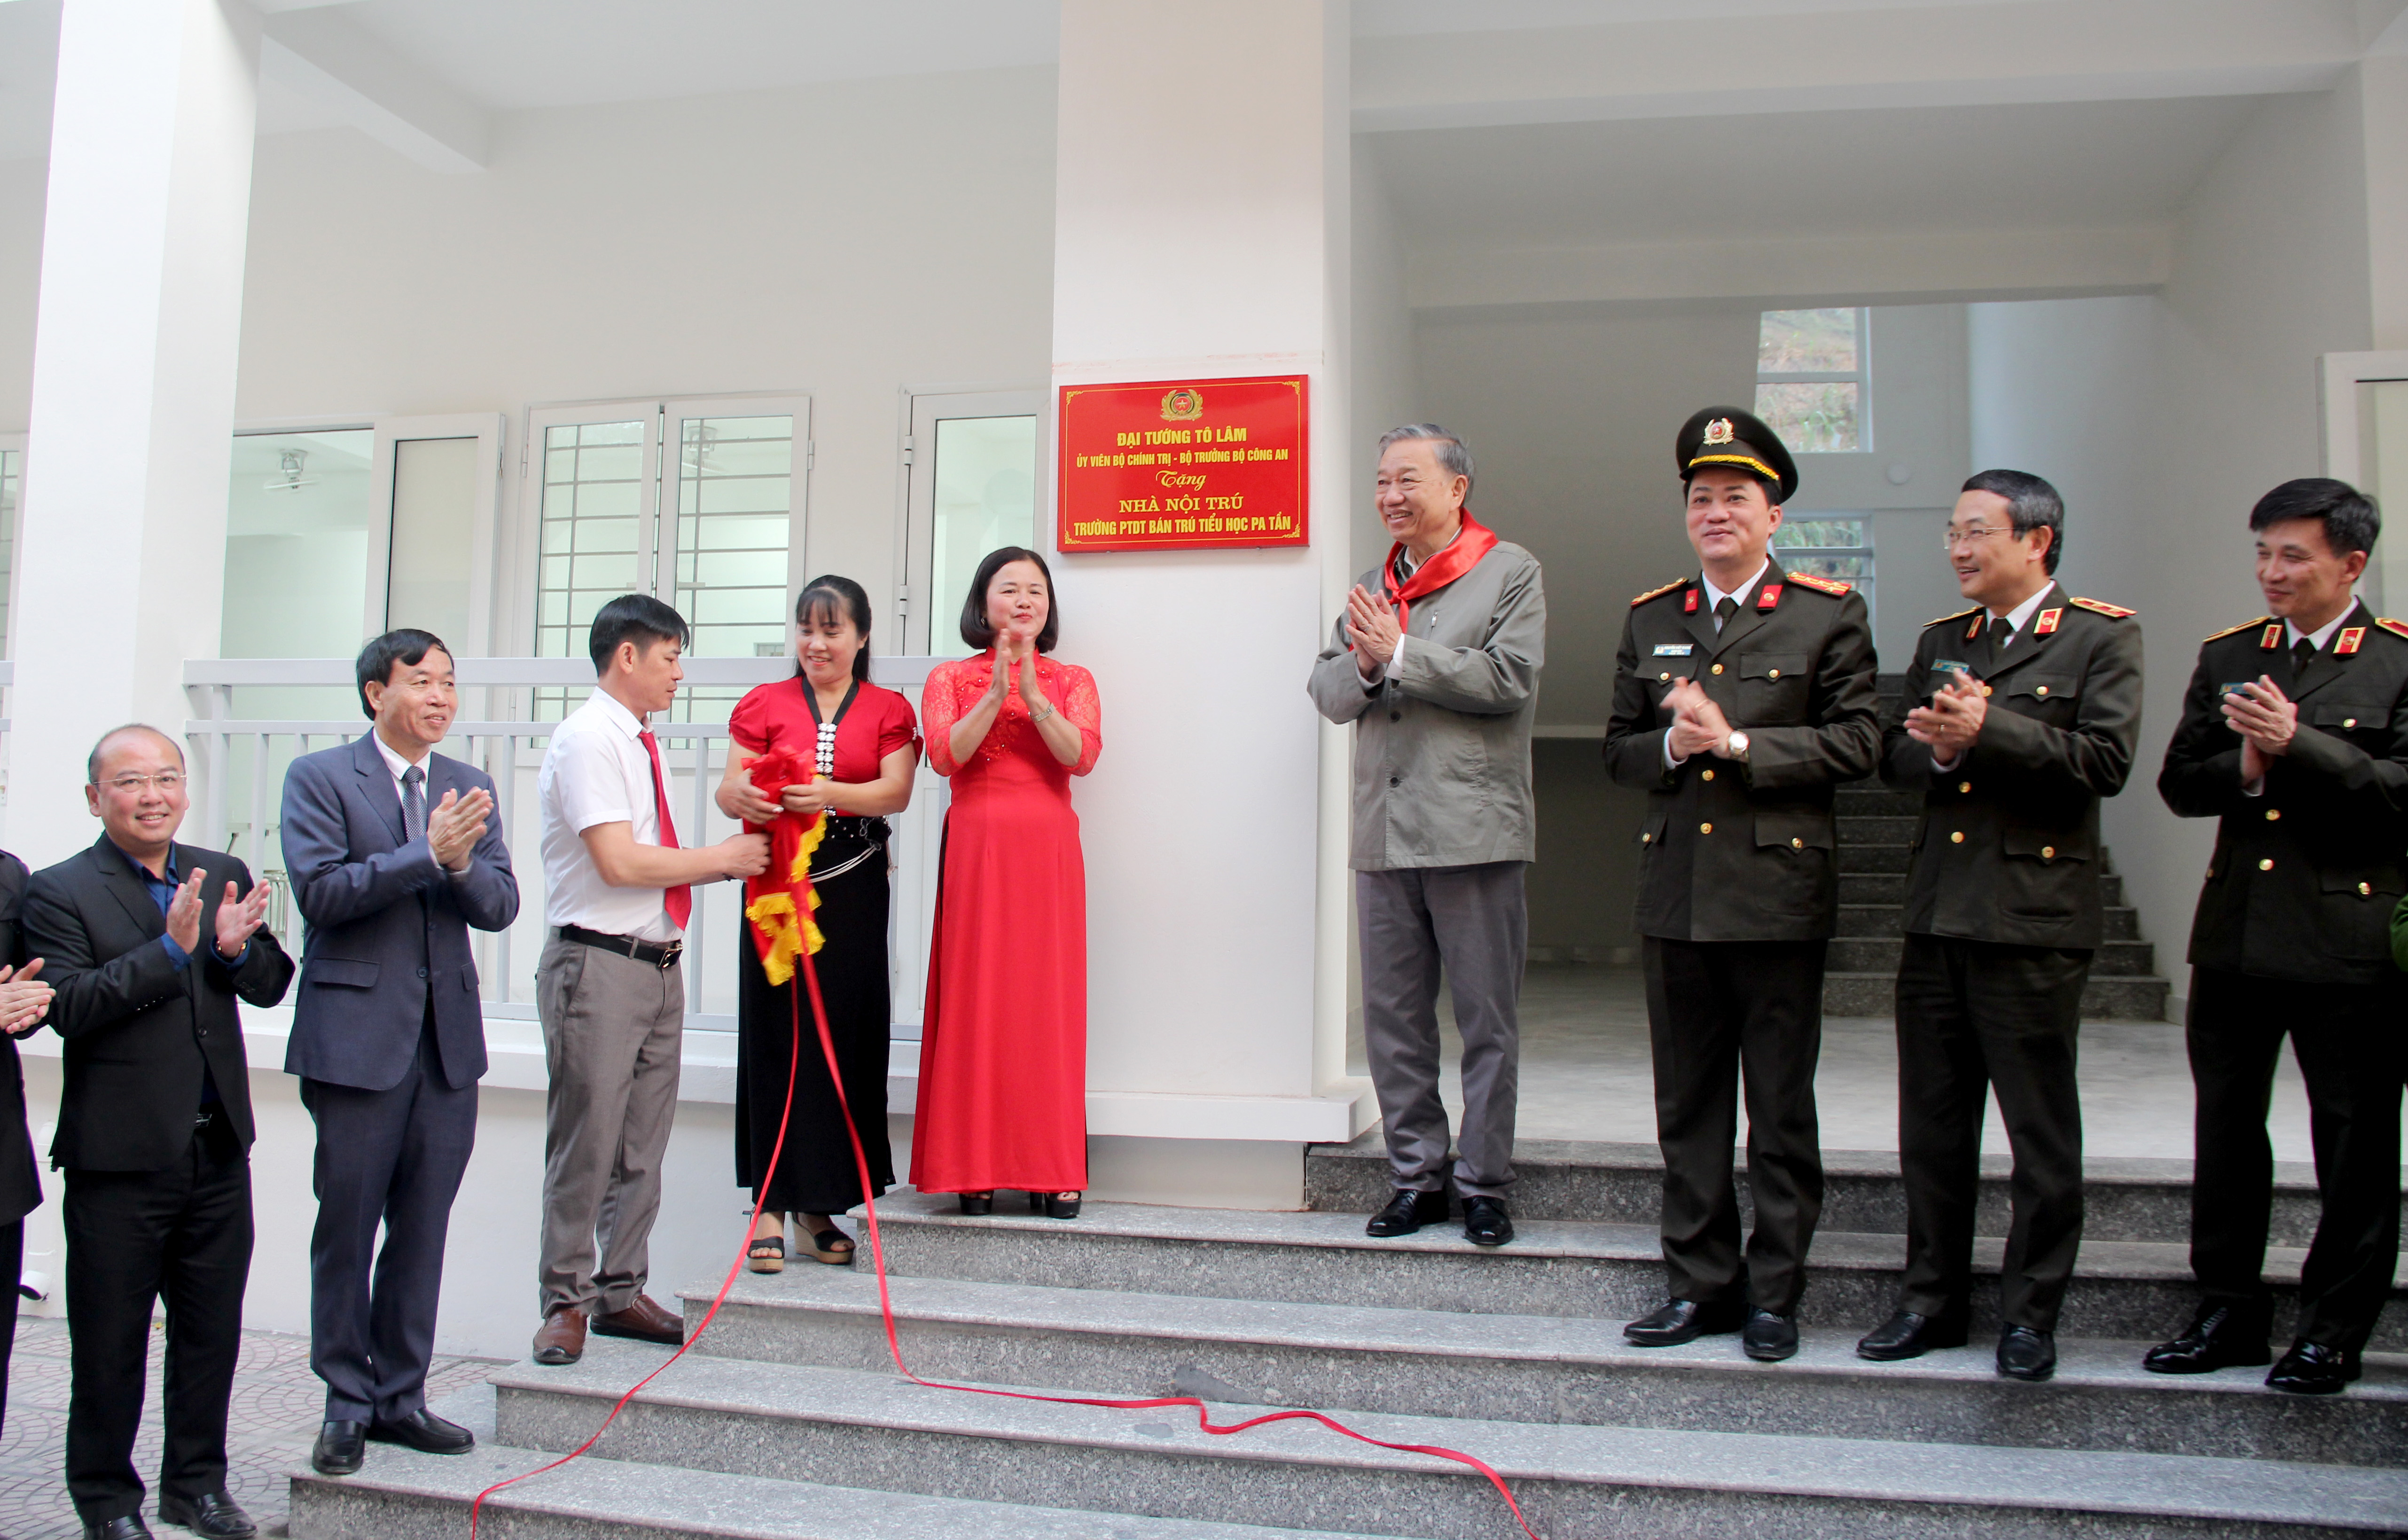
(1873, 269)
(323, 52)
(2059, 51)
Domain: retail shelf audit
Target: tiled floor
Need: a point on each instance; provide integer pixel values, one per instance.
(277, 1407)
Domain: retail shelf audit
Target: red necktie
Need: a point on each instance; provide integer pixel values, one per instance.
(680, 897)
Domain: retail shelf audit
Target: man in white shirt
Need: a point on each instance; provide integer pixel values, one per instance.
(610, 989)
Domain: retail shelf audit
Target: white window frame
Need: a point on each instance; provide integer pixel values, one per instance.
(1861, 376)
(921, 610)
(490, 429)
(656, 513)
(15, 442)
(2338, 377)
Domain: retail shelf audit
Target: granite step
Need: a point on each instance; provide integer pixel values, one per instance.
(1537, 1369)
(2124, 1199)
(2133, 1290)
(2103, 998)
(1870, 799)
(1881, 954)
(789, 1423)
(1887, 885)
(401, 1494)
(1860, 859)
(2120, 924)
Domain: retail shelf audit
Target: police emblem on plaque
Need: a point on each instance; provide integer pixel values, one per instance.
(1182, 405)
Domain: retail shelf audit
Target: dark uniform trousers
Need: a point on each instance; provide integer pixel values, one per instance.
(183, 1235)
(2347, 1039)
(1738, 897)
(1752, 1011)
(1975, 1016)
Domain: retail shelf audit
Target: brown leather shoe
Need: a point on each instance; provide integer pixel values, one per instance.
(562, 1340)
(644, 1321)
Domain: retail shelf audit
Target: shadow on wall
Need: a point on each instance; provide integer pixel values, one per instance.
(1587, 872)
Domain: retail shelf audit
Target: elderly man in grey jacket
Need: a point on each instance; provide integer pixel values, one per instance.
(1435, 661)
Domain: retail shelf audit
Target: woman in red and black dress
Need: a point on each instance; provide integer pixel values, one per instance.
(865, 746)
(1003, 1055)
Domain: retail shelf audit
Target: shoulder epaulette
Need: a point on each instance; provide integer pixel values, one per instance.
(1832, 586)
(2397, 627)
(2100, 607)
(1657, 593)
(1945, 619)
(2236, 630)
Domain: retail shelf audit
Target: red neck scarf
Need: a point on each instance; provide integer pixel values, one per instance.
(1474, 541)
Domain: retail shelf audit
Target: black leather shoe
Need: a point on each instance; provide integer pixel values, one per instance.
(128, 1527)
(1683, 1320)
(1768, 1336)
(423, 1431)
(341, 1448)
(1909, 1335)
(213, 1515)
(2221, 1338)
(1407, 1212)
(1485, 1222)
(2025, 1354)
(2313, 1369)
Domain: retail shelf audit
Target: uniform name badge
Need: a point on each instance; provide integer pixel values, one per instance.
(1673, 649)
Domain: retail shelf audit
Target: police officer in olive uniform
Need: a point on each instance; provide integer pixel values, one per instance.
(2294, 736)
(1741, 696)
(2020, 714)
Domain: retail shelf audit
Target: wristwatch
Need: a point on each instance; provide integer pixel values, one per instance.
(1737, 744)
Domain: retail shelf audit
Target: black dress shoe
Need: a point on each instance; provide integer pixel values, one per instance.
(1485, 1222)
(2313, 1369)
(1768, 1336)
(341, 1448)
(1407, 1212)
(1683, 1320)
(2223, 1337)
(1909, 1335)
(128, 1527)
(211, 1516)
(423, 1431)
(2026, 1354)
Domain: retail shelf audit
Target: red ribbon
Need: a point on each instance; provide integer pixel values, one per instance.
(1475, 542)
(886, 1304)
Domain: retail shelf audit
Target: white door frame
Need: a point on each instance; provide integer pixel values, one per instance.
(489, 429)
(2338, 377)
(924, 611)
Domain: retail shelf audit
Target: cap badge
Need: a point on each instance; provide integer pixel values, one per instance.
(1720, 431)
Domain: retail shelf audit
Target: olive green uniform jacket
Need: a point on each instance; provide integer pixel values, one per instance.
(2007, 847)
(1733, 851)
(2305, 877)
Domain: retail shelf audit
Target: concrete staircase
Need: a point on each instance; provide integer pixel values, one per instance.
(1874, 827)
(788, 1421)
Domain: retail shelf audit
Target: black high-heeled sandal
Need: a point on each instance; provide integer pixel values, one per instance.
(976, 1203)
(1061, 1205)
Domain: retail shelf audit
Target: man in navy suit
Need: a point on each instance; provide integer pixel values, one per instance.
(393, 855)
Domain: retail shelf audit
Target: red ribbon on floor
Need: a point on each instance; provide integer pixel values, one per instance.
(886, 1307)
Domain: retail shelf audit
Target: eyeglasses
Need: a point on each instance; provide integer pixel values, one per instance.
(1970, 538)
(169, 782)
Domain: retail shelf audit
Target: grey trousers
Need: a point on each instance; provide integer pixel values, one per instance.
(611, 1034)
(1473, 922)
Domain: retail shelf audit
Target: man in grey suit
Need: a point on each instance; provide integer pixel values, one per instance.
(1435, 661)
(393, 855)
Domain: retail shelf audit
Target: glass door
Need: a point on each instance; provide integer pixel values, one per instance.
(2365, 444)
(976, 480)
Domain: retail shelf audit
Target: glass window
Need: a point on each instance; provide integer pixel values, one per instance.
(985, 498)
(586, 535)
(1830, 545)
(10, 461)
(434, 532)
(1809, 380)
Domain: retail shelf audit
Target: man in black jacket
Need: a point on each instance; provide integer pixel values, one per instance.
(24, 1000)
(2294, 736)
(149, 942)
(2023, 712)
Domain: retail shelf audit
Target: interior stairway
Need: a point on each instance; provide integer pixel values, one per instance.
(789, 1422)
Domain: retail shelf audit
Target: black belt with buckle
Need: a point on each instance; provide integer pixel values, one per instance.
(659, 953)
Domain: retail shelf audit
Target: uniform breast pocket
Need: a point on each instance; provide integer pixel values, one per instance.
(2042, 694)
(2347, 718)
(1773, 687)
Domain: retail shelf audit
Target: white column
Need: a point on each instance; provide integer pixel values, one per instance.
(122, 529)
(1200, 230)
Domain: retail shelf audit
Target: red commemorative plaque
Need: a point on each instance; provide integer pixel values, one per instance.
(1175, 465)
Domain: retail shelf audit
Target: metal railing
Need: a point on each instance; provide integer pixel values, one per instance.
(240, 751)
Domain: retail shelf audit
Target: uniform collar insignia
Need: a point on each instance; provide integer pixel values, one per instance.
(2046, 622)
(2273, 638)
(2347, 642)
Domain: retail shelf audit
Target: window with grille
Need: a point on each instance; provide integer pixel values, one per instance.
(696, 503)
(1811, 379)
